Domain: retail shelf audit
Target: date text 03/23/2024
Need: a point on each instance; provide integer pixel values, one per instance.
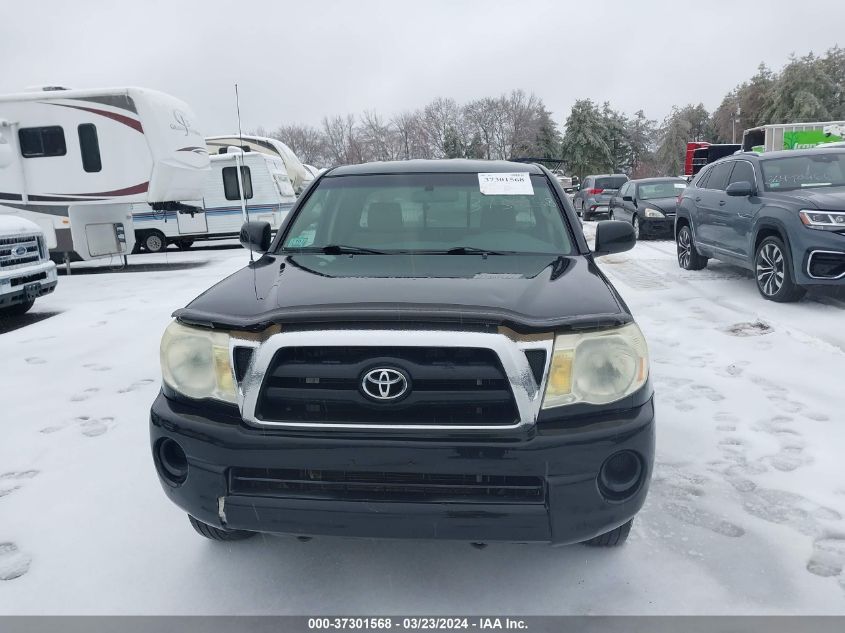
(417, 623)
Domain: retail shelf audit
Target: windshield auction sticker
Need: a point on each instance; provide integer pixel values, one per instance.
(516, 184)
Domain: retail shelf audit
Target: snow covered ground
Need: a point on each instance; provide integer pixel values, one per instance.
(745, 513)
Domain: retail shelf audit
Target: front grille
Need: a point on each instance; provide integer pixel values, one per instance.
(447, 386)
(19, 281)
(9, 258)
(827, 265)
(384, 486)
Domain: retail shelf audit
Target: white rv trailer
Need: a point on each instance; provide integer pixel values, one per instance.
(299, 176)
(315, 171)
(73, 161)
(267, 191)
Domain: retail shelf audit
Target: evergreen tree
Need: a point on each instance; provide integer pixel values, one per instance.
(804, 91)
(616, 137)
(584, 146)
(674, 134)
(641, 133)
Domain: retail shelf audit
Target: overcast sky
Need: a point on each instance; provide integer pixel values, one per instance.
(298, 61)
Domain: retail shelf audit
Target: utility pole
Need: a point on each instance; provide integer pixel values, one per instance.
(734, 121)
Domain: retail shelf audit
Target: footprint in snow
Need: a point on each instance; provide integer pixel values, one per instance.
(96, 367)
(93, 427)
(702, 518)
(708, 392)
(734, 369)
(828, 558)
(9, 482)
(757, 328)
(85, 395)
(785, 404)
(35, 360)
(136, 385)
(788, 508)
(816, 415)
(13, 562)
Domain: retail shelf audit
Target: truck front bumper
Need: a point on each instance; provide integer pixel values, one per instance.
(542, 486)
(25, 284)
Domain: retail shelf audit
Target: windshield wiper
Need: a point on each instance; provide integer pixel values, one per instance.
(342, 249)
(472, 250)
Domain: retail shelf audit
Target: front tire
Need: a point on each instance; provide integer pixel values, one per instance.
(688, 257)
(773, 272)
(155, 242)
(216, 534)
(19, 309)
(635, 222)
(614, 538)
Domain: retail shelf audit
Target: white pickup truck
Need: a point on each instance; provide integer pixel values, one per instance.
(26, 271)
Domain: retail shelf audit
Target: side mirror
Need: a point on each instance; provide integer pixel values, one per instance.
(628, 198)
(613, 236)
(740, 189)
(256, 236)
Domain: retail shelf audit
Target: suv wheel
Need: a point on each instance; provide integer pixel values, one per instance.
(216, 534)
(613, 538)
(688, 257)
(773, 272)
(636, 222)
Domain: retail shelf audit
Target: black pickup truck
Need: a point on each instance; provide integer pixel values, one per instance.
(426, 349)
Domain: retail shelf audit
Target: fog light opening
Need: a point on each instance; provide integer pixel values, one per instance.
(620, 475)
(173, 461)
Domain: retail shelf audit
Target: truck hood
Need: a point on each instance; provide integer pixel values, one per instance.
(526, 292)
(828, 198)
(15, 225)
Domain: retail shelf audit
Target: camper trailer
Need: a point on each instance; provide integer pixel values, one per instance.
(267, 194)
(73, 161)
(298, 174)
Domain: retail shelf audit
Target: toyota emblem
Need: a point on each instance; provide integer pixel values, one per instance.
(384, 384)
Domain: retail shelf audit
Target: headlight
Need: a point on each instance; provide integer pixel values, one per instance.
(822, 219)
(596, 367)
(195, 362)
(653, 213)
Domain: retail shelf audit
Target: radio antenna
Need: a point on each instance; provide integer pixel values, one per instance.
(239, 169)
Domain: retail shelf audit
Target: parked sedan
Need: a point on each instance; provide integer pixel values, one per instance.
(593, 196)
(648, 204)
(780, 214)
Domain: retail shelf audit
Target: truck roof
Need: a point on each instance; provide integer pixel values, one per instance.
(444, 166)
(788, 125)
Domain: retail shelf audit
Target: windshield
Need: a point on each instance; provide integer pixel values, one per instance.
(427, 213)
(825, 169)
(662, 189)
(610, 182)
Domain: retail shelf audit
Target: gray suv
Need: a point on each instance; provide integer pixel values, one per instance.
(594, 195)
(779, 214)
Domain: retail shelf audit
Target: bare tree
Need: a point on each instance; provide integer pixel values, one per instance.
(307, 142)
